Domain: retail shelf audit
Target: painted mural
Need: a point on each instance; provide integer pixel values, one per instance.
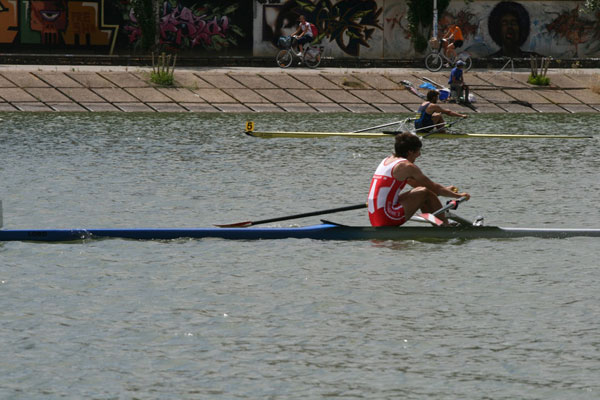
(349, 25)
(369, 29)
(187, 25)
(520, 29)
(379, 28)
(57, 23)
(111, 27)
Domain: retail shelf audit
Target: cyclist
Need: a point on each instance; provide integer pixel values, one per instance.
(303, 34)
(455, 40)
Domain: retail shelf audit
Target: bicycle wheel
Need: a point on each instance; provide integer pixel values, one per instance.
(312, 57)
(284, 58)
(467, 60)
(433, 62)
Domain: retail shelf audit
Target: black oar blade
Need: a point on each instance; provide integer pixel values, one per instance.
(244, 224)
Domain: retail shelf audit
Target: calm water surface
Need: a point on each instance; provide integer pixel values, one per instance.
(292, 319)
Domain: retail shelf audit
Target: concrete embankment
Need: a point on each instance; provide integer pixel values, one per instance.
(250, 89)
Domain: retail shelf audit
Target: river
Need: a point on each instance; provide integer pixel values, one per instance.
(292, 319)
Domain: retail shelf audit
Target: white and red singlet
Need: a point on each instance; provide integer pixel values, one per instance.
(383, 205)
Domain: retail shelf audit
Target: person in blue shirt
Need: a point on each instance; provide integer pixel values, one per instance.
(430, 114)
(457, 83)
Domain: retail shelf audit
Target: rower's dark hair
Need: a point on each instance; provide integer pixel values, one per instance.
(432, 95)
(405, 143)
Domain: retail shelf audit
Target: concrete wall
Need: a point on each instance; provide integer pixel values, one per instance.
(378, 29)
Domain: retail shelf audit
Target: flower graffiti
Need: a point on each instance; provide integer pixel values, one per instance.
(186, 27)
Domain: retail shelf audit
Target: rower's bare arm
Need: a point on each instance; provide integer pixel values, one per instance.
(415, 178)
(452, 113)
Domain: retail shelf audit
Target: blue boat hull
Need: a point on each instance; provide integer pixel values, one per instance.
(65, 235)
(319, 232)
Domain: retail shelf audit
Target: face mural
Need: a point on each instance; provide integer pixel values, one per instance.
(49, 18)
(509, 27)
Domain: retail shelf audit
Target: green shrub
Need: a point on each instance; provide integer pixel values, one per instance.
(538, 80)
(162, 78)
(162, 70)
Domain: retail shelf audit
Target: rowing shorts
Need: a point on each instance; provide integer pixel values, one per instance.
(390, 217)
(419, 126)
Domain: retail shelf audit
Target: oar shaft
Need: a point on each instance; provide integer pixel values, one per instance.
(311, 214)
(429, 126)
(379, 126)
(452, 204)
(440, 124)
(294, 216)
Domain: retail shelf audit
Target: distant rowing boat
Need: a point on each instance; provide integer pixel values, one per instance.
(365, 133)
(324, 231)
(437, 135)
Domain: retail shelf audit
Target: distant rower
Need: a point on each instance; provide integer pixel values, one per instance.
(430, 114)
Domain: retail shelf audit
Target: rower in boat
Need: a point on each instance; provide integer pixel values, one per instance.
(430, 114)
(387, 204)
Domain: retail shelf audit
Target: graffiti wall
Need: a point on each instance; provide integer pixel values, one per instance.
(520, 29)
(215, 26)
(58, 23)
(368, 29)
(380, 29)
(111, 27)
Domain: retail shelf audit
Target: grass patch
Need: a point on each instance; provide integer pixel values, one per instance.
(352, 84)
(538, 80)
(162, 71)
(162, 78)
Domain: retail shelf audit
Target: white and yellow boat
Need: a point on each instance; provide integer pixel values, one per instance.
(372, 135)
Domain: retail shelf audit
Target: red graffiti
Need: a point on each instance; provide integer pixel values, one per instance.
(570, 26)
(397, 21)
(182, 27)
(135, 32)
(182, 23)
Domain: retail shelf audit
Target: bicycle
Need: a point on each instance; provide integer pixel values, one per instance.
(435, 60)
(310, 56)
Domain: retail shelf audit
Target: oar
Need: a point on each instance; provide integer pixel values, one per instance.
(450, 205)
(447, 125)
(381, 126)
(309, 214)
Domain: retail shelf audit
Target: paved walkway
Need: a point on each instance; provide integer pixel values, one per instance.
(128, 89)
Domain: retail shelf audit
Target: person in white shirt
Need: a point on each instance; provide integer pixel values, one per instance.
(303, 34)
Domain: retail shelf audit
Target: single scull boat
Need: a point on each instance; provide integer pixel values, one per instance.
(249, 130)
(324, 231)
(437, 135)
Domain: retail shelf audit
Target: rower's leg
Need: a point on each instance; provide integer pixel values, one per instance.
(438, 121)
(423, 199)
